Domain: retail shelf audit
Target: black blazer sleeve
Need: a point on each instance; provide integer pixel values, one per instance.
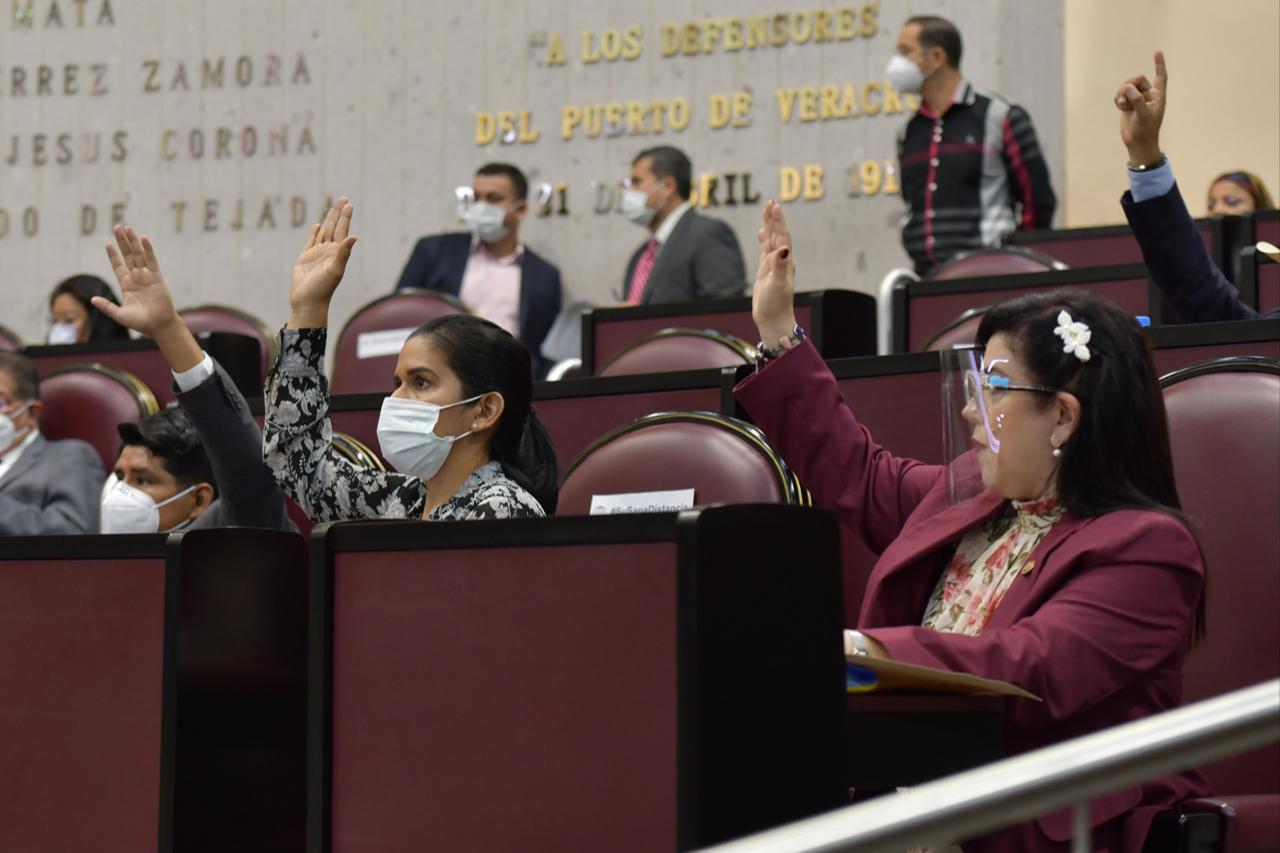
(248, 495)
(718, 266)
(1179, 263)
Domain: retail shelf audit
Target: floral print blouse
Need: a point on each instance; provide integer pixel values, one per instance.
(986, 563)
(296, 446)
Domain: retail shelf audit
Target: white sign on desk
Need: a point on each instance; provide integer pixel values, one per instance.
(377, 344)
(637, 502)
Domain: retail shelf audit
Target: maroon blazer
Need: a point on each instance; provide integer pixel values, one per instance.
(1098, 628)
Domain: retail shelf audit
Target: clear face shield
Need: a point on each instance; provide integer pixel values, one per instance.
(967, 425)
(973, 415)
(973, 389)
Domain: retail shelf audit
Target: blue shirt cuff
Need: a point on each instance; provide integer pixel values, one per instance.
(1152, 183)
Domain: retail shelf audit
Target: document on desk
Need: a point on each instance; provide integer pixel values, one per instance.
(892, 675)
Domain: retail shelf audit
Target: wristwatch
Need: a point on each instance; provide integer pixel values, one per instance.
(1147, 167)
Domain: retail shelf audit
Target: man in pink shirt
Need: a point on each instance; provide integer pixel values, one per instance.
(488, 267)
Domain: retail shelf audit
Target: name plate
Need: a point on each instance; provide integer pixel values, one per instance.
(377, 344)
(639, 502)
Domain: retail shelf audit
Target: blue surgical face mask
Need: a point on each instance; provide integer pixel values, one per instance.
(407, 438)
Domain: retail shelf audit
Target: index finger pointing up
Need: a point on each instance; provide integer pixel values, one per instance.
(1162, 73)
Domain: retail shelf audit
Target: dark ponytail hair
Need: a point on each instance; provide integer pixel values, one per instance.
(487, 358)
(1119, 456)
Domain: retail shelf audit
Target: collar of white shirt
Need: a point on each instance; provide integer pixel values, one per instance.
(11, 458)
(512, 258)
(669, 224)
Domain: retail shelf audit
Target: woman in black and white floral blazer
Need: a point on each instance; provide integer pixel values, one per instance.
(459, 427)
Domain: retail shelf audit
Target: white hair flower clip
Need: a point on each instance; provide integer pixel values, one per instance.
(1075, 336)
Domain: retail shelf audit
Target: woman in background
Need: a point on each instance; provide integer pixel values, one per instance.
(75, 319)
(1234, 193)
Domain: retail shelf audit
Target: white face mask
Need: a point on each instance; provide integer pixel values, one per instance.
(407, 438)
(635, 206)
(64, 333)
(128, 510)
(486, 221)
(904, 75)
(8, 429)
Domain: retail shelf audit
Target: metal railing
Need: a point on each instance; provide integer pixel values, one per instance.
(1007, 792)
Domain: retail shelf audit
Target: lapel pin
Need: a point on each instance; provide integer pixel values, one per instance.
(1029, 567)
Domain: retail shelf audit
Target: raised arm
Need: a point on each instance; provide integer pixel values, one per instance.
(1171, 243)
(248, 493)
(296, 432)
(797, 403)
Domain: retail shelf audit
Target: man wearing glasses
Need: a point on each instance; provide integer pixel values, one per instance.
(46, 487)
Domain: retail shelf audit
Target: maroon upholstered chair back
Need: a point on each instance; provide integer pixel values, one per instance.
(88, 401)
(359, 367)
(1005, 260)
(674, 349)
(9, 340)
(1224, 424)
(960, 332)
(220, 318)
(722, 459)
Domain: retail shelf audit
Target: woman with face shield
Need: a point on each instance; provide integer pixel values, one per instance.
(1049, 552)
(459, 426)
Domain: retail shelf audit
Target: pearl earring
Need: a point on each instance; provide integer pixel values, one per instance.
(1057, 453)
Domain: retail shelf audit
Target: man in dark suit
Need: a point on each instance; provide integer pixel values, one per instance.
(1171, 244)
(46, 487)
(488, 268)
(196, 466)
(688, 256)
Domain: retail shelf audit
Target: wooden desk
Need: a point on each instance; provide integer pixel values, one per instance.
(946, 734)
(1111, 244)
(1175, 347)
(839, 322)
(239, 355)
(153, 692)
(624, 683)
(922, 309)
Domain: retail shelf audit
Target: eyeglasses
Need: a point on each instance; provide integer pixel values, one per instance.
(988, 383)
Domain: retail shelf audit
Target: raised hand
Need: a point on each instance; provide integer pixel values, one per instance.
(146, 305)
(319, 268)
(773, 297)
(1141, 103)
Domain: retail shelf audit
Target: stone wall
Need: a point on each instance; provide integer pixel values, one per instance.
(220, 129)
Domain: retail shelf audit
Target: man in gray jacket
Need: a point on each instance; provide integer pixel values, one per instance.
(45, 486)
(688, 256)
(198, 466)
